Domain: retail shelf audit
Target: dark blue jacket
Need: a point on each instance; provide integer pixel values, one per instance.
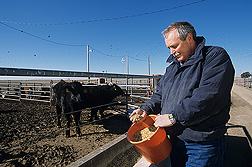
(197, 94)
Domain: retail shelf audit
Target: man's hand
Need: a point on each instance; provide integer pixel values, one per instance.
(140, 112)
(163, 121)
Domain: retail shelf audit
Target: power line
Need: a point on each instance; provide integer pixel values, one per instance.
(109, 55)
(137, 58)
(58, 43)
(96, 20)
(107, 19)
(35, 36)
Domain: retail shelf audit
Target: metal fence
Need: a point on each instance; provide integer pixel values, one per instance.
(246, 82)
(137, 86)
(26, 90)
(42, 90)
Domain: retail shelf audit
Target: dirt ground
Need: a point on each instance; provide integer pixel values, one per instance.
(45, 146)
(239, 142)
(56, 150)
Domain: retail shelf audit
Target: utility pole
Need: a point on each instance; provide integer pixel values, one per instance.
(127, 82)
(87, 58)
(148, 73)
(149, 65)
(127, 64)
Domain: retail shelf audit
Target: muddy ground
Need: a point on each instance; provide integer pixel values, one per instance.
(38, 143)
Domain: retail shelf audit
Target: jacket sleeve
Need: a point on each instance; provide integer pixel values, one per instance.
(153, 105)
(213, 93)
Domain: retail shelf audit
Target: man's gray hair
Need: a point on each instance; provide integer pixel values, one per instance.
(183, 29)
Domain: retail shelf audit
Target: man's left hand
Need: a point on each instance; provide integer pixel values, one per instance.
(163, 121)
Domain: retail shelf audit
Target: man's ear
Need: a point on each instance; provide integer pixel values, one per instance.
(189, 38)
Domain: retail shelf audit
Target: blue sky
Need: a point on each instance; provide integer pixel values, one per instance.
(223, 23)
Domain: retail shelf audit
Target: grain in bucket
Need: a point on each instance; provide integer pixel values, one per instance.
(155, 148)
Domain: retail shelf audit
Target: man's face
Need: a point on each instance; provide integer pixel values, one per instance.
(182, 50)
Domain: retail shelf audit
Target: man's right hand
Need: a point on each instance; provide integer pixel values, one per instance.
(139, 112)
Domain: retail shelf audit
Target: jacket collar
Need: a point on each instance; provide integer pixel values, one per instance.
(195, 57)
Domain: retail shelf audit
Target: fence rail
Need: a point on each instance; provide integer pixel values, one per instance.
(43, 90)
(137, 86)
(246, 82)
(55, 73)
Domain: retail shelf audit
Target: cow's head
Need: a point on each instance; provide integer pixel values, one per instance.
(74, 90)
(116, 89)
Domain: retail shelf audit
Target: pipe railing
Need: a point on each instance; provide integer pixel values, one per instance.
(140, 85)
(55, 73)
(246, 82)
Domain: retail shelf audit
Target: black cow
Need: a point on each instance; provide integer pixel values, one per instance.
(72, 97)
(68, 97)
(100, 95)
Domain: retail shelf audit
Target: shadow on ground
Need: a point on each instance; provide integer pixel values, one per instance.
(239, 151)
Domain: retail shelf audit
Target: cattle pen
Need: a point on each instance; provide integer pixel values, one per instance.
(37, 86)
(137, 86)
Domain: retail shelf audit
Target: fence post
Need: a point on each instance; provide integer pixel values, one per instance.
(148, 91)
(131, 93)
(19, 93)
(153, 80)
(127, 94)
(51, 83)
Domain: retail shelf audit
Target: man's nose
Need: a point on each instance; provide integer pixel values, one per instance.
(172, 51)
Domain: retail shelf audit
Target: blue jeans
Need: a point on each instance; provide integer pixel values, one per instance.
(196, 154)
(199, 154)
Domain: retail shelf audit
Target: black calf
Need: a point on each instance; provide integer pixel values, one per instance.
(68, 98)
(100, 95)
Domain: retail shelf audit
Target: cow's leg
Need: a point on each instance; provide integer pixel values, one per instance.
(101, 112)
(94, 114)
(77, 123)
(58, 110)
(68, 121)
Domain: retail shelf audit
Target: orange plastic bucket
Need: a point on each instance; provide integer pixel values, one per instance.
(154, 149)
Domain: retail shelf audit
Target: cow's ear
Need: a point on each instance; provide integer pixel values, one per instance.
(67, 90)
(110, 84)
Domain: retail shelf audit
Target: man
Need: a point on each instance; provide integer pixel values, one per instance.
(193, 98)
